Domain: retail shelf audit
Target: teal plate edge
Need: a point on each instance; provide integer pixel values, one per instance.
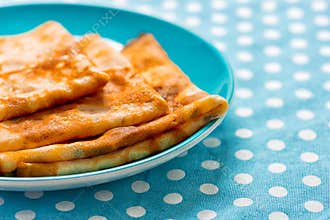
(225, 89)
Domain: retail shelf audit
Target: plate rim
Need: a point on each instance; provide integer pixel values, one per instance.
(196, 137)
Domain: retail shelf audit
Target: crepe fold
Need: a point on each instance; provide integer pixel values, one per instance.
(49, 81)
(121, 102)
(190, 109)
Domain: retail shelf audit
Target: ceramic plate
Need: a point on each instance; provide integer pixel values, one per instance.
(199, 60)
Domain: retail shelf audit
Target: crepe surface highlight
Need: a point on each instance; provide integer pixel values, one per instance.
(121, 102)
(25, 50)
(190, 111)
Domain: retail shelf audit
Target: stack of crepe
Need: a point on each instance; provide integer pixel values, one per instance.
(70, 106)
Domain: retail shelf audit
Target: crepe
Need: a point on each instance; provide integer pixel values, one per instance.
(190, 109)
(121, 102)
(25, 50)
(134, 152)
(42, 78)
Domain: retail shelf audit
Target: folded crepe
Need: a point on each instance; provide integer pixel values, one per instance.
(122, 102)
(190, 109)
(25, 50)
(50, 81)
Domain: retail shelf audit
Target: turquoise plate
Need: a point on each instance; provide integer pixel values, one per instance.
(199, 60)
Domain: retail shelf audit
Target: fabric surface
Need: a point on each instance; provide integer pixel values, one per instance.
(269, 159)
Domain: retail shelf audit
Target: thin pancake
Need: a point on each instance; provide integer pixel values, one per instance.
(121, 102)
(52, 82)
(25, 50)
(135, 152)
(112, 139)
(153, 64)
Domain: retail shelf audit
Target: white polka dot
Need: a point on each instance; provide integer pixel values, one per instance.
(292, 1)
(244, 12)
(219, 18)
(297, 28)
(303, 94)
(325, 68)
(305, 114)
(169, 16)
(313, 206)
(97, 217)
(220, 45)
(244, 56)
(270, 19)
(65, 206)
(212, 142)
(244, 74)
(272, 34)
(300, 59)
(272, 51)
(278, 191)
(274, 102)
(326, 86)
(268, 5)
(298, 43)
(309, 157)
(176, 174)
(276, 168)
(327, 105)
(169, 4)
(307, 134)
(243, 93)
(103, 195)
(272, 67)
(210, 164)
(273, 85)
(243, 133)
(206, 214)
(243, 154)
(2, 201)
(323, 35)
(278, 216)
(243, 178)
(144, 9)
(33, 195)
(319, 5)
(193, 21)
(209, 189)
(325, 51)
(219, 4)
(218, 31)
(321, 20)
(301, 76)
(244, 40)
(311, 180)
(25, 215)
(244, 27)
(193, 7)
(295, 13)
(275, 145)
(136, 211)
(241, 202)
(140, 186)
(244, 112)
(173, 198)
(119, 3)
(274, 124)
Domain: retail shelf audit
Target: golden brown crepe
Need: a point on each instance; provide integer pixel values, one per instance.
(191, 108)
(25, 50)
(134, 152)
(121, 102)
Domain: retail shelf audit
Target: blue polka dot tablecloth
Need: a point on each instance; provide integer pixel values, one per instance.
(270, 158)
